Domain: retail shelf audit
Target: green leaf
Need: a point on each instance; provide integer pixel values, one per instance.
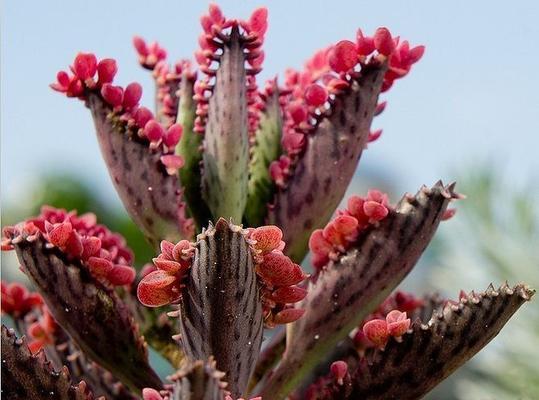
(190, 148)
(266, 148)
(226, 142)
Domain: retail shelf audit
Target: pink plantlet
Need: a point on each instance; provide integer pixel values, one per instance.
(343, 56)
(316, 95)
(298, 112)
(449, 213)
(163, 286)
(397, 323)
(153, 131)
(339, 369)
(172, 163)
(215, 14)
(132, 95)
(365, 44)
(85, 66)
(142, 116)
(113, 95)
(106, 70)
(287, 316)
(151, 394)
(278, 270)
(289, 294)
(376, 331)
(384, 42)
(268, 238)
(41, 332)
(375, 135)
(17, 301)
(258, 22)
(62, 83)
(140, 46)
(173, 135)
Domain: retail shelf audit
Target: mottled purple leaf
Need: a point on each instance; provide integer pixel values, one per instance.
(92, 314)
(347, 290)
(324, 171)
(151, 197)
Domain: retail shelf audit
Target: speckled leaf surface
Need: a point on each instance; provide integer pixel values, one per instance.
(93, 315)
(226, 143)
(151, 196)
(19, 367)
(221, 311)
(432, 351)
(347, 290)
(324, 171)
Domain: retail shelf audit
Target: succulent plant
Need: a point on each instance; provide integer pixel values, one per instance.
(258, 174)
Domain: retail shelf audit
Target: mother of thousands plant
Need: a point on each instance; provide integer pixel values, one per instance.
(233, 185)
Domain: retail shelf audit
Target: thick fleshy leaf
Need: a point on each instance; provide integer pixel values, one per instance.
(347, 290)
(190, 149)
(269, 357)
(221, 311)
(432, 351)
(99, 380)
(266, 148)
(324, 171)
(89, 312)
(198, 380)
(150, 195)
(63, 353)
(31, 377)
(226, 142)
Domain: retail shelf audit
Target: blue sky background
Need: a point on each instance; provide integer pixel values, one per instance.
(474, 96)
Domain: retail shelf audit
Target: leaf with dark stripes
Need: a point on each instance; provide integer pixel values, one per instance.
(347, 290)
(31, 377)
(151, 196)
(226, 144)
(265, 149)
(92, 314)
(324, 171)
(221, 311)
(430, 352)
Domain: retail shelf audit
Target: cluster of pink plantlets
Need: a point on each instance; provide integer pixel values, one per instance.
(17, 300)
(162, 284)
(124, 102)
(279, 275)
(259, 173)
(216, 31)
(329, 73)
(78, 237)
(328, 243)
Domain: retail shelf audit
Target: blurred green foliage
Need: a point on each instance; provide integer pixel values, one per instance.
(494, 237)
